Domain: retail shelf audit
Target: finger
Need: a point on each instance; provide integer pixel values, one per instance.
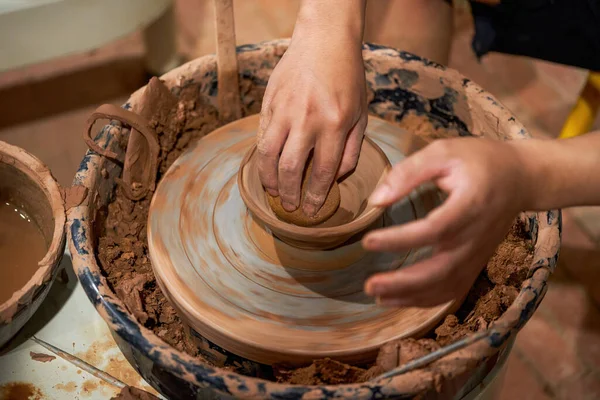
(266, 114)
(407, 175)
(264, 118)
(270, 142)
(436, 280)
(441, 223)
(328, 153)
(434, 293)
(410, 280)
(292, 164)
(353, 147)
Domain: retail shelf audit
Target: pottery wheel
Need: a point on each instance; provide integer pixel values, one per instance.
(243, 289)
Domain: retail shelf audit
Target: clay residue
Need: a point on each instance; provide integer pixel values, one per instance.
(399, 352)
(123, 254)
(73, 196)
(424, 128)
(331, 372)
(321, 372)
(120, 368)
(89, 386)
(131, 393)
(20, 391)
(506, 266)
(495, 289)
(100, 355)
(95, 353)
(123, 249)
(68, 387)
(130, 291)
(41, 357)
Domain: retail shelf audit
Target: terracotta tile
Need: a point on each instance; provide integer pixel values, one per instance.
(521, 381)
(577, 319)
(514, 104)
(541, 343)
(573, 235)
(589, 218)
(464, 60)
(546, 104)
(515, 73)
(580, 254)
(585, 387)
(583, 266)
(565, 79)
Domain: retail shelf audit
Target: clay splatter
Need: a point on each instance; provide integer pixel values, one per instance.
(41, 357)
(131, 393)
(20, 391)
(69, 387)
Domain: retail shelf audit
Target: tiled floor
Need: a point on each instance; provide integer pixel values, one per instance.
(557, 354)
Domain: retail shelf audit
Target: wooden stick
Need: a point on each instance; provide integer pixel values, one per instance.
(230, 107)
(81, 364)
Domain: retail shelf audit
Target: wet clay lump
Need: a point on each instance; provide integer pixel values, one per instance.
(22, 246)
(297, 217)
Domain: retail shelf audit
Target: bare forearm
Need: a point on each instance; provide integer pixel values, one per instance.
(561, 173)
(332, 19)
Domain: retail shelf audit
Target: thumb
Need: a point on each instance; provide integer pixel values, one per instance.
(407, 175)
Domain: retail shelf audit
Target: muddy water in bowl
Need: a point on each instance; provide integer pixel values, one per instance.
(22, 246)
(32, 217)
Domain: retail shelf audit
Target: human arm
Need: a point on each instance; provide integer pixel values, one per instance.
(488, 183)
(563, 173)
(315, 101)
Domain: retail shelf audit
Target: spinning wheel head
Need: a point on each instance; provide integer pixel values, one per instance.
(239, 286)
(353, 215)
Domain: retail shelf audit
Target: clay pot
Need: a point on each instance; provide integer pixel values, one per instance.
(354, 214)
(30, 186)
(402, 88)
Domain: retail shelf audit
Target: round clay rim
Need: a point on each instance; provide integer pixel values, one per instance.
(41, 175)
(355, 226)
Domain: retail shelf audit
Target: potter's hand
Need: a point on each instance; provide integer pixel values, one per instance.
(485, 186)
(315, 99)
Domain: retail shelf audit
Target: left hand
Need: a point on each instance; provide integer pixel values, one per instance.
(486, 184)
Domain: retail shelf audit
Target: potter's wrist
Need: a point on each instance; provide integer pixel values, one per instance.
(536, 177)
(338, 20)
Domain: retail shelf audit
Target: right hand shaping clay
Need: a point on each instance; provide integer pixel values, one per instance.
(297, 217)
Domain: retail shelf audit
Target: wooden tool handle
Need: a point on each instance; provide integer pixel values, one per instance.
(229, 101)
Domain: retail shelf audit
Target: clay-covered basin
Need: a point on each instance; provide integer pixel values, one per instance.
(402, 89)
(32, 239)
